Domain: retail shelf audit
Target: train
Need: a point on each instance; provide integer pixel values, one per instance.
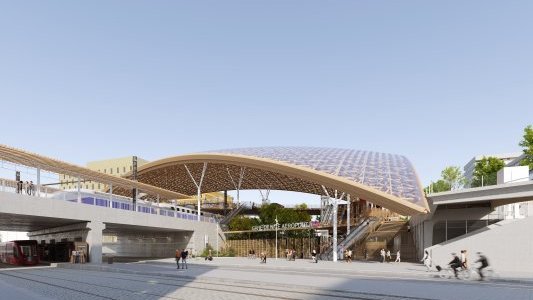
(20, 253)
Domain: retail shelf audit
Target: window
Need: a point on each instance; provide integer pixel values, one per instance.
(105, 171)
(124, 169)
(118, 170)
(98, 186)
(111, 171)
(131, 168)
(92, 186)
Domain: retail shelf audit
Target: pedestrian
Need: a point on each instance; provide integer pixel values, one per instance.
(209, 256)
(464, 261)
(32, 188)
(184, 255)
(349, 255)
(389, 258)
(27, 187)
(313, 256)
(178, 257)
(397, 256)
(484, 263)
(263, 257)
(382, 253)
(19, 187)
(427, 260)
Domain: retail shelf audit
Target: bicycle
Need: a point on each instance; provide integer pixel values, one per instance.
(463, 274)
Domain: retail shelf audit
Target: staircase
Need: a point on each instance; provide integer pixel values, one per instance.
(384, 238)
(232, 214)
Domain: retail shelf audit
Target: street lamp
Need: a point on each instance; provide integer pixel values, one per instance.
(276, 237)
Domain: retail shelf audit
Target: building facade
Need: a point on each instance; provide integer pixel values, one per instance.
(471, 165)
(115, 167)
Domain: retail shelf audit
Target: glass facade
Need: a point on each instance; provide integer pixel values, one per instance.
(389, 173)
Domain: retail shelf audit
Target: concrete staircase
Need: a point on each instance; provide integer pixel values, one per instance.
(391, 235)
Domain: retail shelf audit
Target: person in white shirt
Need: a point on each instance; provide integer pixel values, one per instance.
(427, 261)
(397, 256)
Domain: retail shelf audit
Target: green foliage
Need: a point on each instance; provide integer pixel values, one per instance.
(269, 212)
(242, 223)
(301, 206)
(225, 252)
(486, 170)
(527, 144)
(206, 251)
(453, 176)
(439, 186)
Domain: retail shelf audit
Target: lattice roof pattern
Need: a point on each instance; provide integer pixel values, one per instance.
(389, 173)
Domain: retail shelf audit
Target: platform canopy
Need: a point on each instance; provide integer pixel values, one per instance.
(122, 186)
(387, 180)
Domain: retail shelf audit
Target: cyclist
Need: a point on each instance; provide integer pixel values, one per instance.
(484, 263)
(455, 263)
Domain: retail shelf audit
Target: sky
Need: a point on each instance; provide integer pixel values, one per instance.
(436, 81)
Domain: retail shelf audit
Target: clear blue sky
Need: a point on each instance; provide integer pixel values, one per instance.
(437, 81)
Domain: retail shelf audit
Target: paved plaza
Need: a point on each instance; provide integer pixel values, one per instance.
(241, 278)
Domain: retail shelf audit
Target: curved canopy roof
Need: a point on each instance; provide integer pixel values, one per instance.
(385, 179)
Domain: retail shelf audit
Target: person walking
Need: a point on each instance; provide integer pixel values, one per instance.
(32, 188)
(349, 254)
(382, 253)
(19, 187)
(27, 187)
(389, 258)
(427, 260)
(313, 256)
(398, 256)
(184, 255)
(464, 264)
(209, 256)
(484, 263)
(178, 257)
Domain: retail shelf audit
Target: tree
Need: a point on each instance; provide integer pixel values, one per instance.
(439, 186)
(269, 212)
(242, 223)
(485, 171)
(527, 143)
(453, 176)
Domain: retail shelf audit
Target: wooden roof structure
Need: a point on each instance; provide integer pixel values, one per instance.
(121, 186)
(224, 169)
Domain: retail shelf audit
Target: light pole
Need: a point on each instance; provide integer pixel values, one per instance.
(276, 237)
(216, 236)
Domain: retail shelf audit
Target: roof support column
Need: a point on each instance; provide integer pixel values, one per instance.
(38, 182)
(110, 195)
(239, 183)
(335, 210)
(79, 192)
(264, 197)
(198, 185)
(335, 242)
(348, 216)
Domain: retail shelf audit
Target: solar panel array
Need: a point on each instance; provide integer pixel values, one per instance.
(390, 173)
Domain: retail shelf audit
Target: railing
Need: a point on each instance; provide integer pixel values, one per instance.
(234, 212)
(363, 226)
(106, 200)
